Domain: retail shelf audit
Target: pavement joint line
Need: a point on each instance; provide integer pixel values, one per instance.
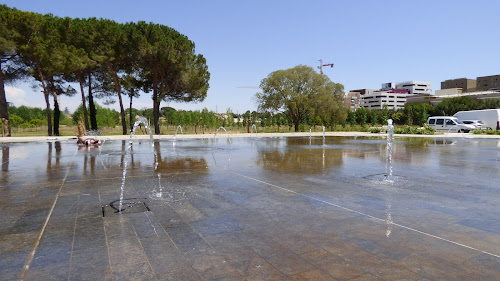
(29, 260)
(372, 217)
(11, 158)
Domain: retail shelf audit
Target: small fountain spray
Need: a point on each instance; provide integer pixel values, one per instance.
(323, 135)
(310, 135)
(216, 132)
(390, 146)
(175, 135)
(144, 121)
(254, 128)
(159, 194)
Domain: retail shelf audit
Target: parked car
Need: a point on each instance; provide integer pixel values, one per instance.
(490, 117)
(449, 124)
(478, 123)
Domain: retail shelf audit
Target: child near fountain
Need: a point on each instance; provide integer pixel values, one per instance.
(87, 140)
(81, 139)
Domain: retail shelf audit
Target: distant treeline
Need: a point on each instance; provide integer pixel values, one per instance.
(413, 114)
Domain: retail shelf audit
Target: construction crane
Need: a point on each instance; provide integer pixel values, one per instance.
(321, 65)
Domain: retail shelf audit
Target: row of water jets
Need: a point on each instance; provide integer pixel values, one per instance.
(145, 122)
(142, 120)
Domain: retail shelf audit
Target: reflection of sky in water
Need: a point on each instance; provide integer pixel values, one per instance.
(464, 160)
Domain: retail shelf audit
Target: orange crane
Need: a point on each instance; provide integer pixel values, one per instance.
(321, 65)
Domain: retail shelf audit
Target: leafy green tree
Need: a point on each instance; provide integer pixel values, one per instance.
(76, 35)
(361, 116)
(230, 119)
(373, 116)
(9, 60)
(105, 117)
(331, 107)
(175, 72)
(384, 114)
(16, 120)
(417, 113)
(295, 92)
(450, 106)
(351, 117)
(398, 117)
(31, 41)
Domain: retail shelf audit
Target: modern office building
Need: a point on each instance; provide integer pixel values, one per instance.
(415, 87)
(393, 98)
(467, 85)
(486, 83)
(391, 94)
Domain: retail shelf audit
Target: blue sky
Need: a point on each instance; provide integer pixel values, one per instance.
(370, 42)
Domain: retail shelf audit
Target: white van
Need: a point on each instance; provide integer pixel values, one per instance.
(490, 117)
(449, 124)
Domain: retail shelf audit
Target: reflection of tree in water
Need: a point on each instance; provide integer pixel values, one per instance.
(297, 159)
(179, 164)
(5, 165)
(53, 169)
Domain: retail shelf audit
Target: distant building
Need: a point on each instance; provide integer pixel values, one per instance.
(448, 91)
(392, 98)
(413, 87)
(453, 93)
(486, 83)
(467, 85)
(486, 87)
(391, 94)
(352, 100)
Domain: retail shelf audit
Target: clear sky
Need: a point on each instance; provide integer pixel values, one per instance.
(370, 42)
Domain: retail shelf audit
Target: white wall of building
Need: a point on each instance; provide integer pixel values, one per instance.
(416, 87)
(378, 99)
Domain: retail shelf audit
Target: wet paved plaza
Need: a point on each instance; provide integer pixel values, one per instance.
(251, 209)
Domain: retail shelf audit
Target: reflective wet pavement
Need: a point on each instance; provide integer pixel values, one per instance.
(251, 209)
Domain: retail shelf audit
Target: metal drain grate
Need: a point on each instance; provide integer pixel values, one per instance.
(128, 207)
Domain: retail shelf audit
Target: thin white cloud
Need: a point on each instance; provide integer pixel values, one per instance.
(16, 96)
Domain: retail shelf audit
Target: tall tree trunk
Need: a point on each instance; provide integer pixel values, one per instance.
(93, 119)
(117, 88)
(4, 106)
(57, 114)
(296, 125)
(46, 95)
(156, 105)
(49, 116)
(85, 116)
(156, 114)
(130, 113)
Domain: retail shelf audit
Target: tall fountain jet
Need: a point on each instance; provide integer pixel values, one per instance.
(390, 147)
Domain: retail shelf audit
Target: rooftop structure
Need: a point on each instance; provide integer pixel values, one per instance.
(415, 87)
(486, 83)
(467, 85)
(453, 93)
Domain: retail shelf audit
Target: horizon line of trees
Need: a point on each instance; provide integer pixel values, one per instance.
(413, 114)
(107, 58)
